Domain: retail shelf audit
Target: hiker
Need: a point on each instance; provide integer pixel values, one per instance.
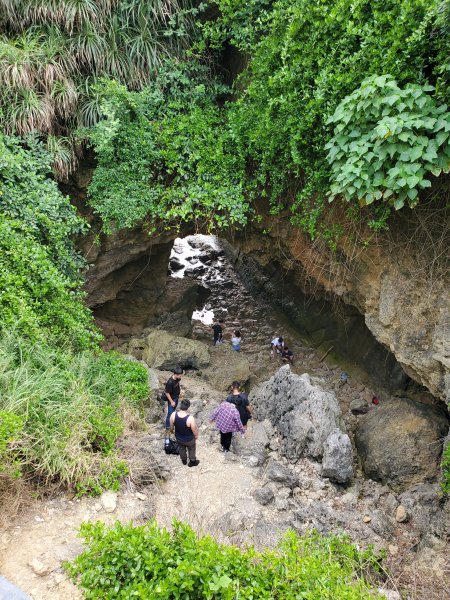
(228, 421)
(218, 332)
(186, 433)
(172, 393)
(236, 341)
(287, 356)
(240, 400)
(276, 346)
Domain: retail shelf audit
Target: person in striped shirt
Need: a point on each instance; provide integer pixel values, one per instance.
(228, 421)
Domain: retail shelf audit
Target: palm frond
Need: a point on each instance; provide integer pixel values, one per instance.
(29, 112)
(63, 155)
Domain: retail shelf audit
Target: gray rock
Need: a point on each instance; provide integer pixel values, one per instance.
(231, 522)
(399, 442)
(281, 474)
(304, 414)
(337, 462)
(264, 495)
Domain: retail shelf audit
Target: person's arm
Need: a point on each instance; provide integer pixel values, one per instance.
(172, 422)
(214, 413)
(237, 420)
(250, 409)
(193, 425)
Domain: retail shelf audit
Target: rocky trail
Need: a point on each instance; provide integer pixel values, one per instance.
(265, 485)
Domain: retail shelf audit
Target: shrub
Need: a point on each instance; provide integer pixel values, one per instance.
(39, 267)
(69, 409)
(445, 464)
(386, 141)
(150, 562)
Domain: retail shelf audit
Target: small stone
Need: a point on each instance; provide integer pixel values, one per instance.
(59, 578)
(389, 594)
(393, 550)
(39, 568)
(141, 496)
(400, 514)
(263, 495)
(367, 519)
(109, 501)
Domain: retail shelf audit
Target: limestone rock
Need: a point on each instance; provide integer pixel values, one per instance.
(226, 366)
(164, 351)
(109, 501)
(281, 474)
(400, 442)
(264, 495)
(39, 568)
(400, 514)
(304, 414)
(337, 462)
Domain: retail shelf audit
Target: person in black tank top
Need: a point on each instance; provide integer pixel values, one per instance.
(186, 433)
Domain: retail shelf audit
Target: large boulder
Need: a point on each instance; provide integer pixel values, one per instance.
(400, 442)
(225, 367)
(162, 350)
(304, 414)
(337, 462)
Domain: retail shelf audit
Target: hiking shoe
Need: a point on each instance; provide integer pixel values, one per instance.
(184, 461)
(193, 463)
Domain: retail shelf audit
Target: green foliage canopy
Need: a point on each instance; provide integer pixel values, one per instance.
(165, 154)
(304, 59)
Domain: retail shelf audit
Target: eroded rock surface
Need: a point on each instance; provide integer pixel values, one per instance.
(304, 414)
(400, 442)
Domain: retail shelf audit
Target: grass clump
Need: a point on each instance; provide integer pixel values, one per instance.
(61, 413)
(150, 562)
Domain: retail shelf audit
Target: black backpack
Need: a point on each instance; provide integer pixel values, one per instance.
(170, 446)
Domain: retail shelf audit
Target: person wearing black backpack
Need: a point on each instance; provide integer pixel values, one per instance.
(240, 400)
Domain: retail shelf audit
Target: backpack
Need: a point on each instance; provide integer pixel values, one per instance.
(170, 446)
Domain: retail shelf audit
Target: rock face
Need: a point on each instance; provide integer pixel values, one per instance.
(400, 442)
(304, 414)
(337, 462)
(163, 351)
(386, 305)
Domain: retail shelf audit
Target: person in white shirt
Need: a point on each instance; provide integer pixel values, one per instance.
(276, 346)
(236, 341)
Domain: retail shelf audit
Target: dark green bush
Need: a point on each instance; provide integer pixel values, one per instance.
(149, 562)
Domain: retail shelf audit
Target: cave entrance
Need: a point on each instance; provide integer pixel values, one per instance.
(323, 336)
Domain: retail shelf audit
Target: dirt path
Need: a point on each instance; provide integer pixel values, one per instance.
(34, 546)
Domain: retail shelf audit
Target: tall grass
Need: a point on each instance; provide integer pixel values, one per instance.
(70, 407)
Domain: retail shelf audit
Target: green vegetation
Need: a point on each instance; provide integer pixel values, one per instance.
(306, 58)
(53, 51)
(149, 562)
(39, 267)
(386, 140)
(446, 469)
(165, 155)
(61, 413)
